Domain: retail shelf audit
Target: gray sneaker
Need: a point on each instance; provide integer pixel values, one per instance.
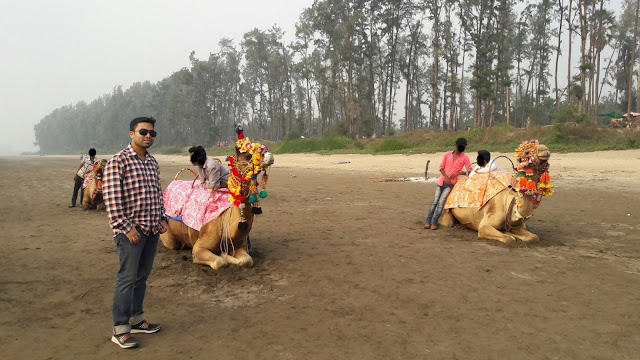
(145, 327)
(125, 340)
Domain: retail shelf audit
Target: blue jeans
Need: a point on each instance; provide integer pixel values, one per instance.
(136, 261)
(437, 205)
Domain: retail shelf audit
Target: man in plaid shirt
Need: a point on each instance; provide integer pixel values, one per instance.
(133, 198)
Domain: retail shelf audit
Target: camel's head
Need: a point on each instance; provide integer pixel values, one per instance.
(100, 165)
(532, 164)
(248, 162)
(530, 154)
(543, 153)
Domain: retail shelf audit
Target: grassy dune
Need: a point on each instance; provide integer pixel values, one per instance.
(562, 138)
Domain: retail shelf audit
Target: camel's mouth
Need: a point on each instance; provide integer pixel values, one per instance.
(543, 153)
(544, 156)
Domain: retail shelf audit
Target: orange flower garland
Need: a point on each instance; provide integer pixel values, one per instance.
(97, 177)
(546, 188)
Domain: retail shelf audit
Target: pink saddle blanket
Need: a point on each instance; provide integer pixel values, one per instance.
(196, 205)
(88, 179)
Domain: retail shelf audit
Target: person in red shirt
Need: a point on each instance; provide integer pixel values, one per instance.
(450, 168)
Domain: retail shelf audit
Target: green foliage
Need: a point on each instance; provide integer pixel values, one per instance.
(366, 126)
(560, 138)
(318, 145)
(568, 113)
(578, 91)
(560, 135)
(391, 145)
(292, 135)
(338, 129)
(632, 143)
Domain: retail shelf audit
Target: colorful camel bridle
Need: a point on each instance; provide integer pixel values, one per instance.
(526, 159)
(260, 161)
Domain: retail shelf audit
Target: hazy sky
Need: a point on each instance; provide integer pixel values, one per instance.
(57, 52)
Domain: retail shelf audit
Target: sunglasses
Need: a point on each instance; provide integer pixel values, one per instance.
(144, 132)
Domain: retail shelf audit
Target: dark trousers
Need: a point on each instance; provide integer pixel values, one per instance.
(76, 187)
(136, 261)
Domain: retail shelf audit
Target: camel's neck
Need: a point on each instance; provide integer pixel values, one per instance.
(524, 211)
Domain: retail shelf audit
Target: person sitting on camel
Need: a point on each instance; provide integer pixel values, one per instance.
(212, 174)
(485, 164)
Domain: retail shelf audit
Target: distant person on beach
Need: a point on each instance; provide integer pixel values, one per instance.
(86, 165)
(211, 172)
(450, 168)
(133, 198)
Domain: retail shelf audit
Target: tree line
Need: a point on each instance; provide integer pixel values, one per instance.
(356, 65)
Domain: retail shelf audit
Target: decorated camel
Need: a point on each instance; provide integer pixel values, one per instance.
(216, 224)
(500, 211)
(92, 196)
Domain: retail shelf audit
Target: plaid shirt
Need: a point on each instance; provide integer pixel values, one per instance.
(132, 192)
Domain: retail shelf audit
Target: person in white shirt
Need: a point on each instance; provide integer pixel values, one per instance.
(485, 164)
(212, 174)
(86, 165)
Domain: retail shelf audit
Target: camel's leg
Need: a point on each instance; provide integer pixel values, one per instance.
(446, 219)
(521, 233)
(86, 200)
(486, 231)
(204, 256)
(240, 257)
(170, 241)
(99, 201)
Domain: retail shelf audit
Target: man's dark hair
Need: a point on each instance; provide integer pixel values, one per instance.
(461, 141)
(92, 152)
(198, 154)
(143, 119)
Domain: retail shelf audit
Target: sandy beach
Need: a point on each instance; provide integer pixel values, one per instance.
(343, 269)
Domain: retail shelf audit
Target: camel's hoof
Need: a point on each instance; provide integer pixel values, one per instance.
(508, 239)
(219, 264)
(246, 261)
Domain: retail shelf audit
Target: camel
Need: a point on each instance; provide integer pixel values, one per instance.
(205, 246)
(507, 211)
(92, 196)
(223, 240)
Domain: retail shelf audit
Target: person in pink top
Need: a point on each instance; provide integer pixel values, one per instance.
(451, 166)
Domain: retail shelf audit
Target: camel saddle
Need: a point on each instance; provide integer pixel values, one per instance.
(194, 205)
(474, 192)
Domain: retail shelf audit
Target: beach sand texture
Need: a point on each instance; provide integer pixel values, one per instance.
(343, 269)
